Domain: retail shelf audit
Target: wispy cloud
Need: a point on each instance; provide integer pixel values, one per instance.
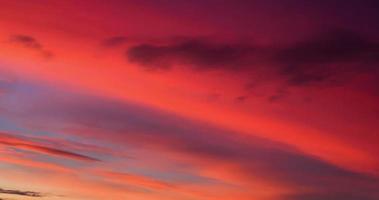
(21, 193)
(30, 43)
(26, 41)
(23, 143)
(132, 124)
(114, 41)
(138, 180)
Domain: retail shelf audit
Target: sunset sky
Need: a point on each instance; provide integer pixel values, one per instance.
(189, 100)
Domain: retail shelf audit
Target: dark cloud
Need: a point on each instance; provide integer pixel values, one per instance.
(63, 153)
(241, 98)
(31, 43)
(21, 193)
(331, 56)
(114, 41)
(280, 94)
(331, 196)
(199, 54)
(22, 143)
(26, 41)
(333, 46)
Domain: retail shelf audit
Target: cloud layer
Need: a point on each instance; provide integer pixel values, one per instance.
(185, 100)
(138, 126)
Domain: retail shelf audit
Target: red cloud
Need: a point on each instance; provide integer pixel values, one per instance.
(25, 144)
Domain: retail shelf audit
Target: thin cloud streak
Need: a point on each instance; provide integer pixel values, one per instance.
(21, 193)
(30, 43)
(8, 140)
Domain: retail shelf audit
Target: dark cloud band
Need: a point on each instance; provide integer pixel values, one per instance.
(21, 193)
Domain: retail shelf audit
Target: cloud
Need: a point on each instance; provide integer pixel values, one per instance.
(26, 41)
(241, 98)
(144, 127)
(280, 93)
(137, 180)
(21, 193)
(326, 57)
(114, 41)
(332, 46)
(332, 54)
(196, 53)
(22, 143)
(331, 196)
(31, 43)
(16, 159)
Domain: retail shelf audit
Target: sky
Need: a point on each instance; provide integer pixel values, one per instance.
(189, 100)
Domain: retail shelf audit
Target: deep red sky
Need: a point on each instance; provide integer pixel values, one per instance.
(197, 100)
